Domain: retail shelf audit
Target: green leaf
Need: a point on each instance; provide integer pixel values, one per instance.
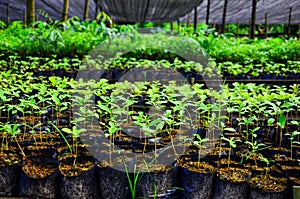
(230, 129)
(294, 122)
(66, 130)
(281, 120)
(55, 99)
(271, 121)
(103, 107)
(160, 126)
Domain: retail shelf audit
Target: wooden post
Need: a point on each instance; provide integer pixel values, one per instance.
(266, 25)
(188, 21)
(96, 9)
(195, 19)
(65, 10)
(30, 10)
(237, 30)
(250, 27)
(207, 12)
(299, 31)
(253, 17)
(25, 18)
(172, 25)
(290, 22)
(86, 9)
(178, 25)
(8, 13)
(224, 17)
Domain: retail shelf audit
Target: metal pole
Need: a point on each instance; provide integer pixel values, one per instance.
(207, 12)
(224, 17)
(266, 25)
(178, 25)
(195, 19)
(252, 28)
(96, 9)
(8, 13)
(290, 22)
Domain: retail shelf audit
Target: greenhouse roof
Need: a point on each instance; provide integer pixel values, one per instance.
(52, 8)
(239, 12)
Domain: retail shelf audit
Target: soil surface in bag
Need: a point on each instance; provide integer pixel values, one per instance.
(9, 174)
(78, 178)
(39, 178)
(112, 183)
(196, 179)
(231, 183)
(158, 182)
(267, 187)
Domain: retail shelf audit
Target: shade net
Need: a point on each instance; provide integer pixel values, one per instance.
(240, 11)
(148, 10)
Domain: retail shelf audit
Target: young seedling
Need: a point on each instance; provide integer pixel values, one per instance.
(254, 152)
(232, 144)
(292, 137)
(267, 161)
(199, 143)
(75, 133)
(281, 123)
(13, 130)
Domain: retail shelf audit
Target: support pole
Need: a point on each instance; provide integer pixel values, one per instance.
(96, 9)
(299, 31)
(8, 13)
(188, 21)
(224, 17)
(195, 19)
(178, 25)
(172, 25)
(266, 25)
(250, 27)
(207, 12)
(253, 17)
(237, 30)
(30, 10)
(86, 9)
(65, 10)
(290, 22)
(25, 18)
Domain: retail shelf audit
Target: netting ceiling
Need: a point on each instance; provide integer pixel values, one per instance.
(239, 11)
(52, 7)
(148, 10)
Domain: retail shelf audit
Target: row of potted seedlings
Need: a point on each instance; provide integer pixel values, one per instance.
(114, 69)
(255, 152)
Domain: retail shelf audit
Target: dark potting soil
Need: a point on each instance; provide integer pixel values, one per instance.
(267, 187)
(231, 183)
(256, 194)
(9, 179)
(39, 178)
(112, 183)
(159, 183)
(196, 184)
(80, 186)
